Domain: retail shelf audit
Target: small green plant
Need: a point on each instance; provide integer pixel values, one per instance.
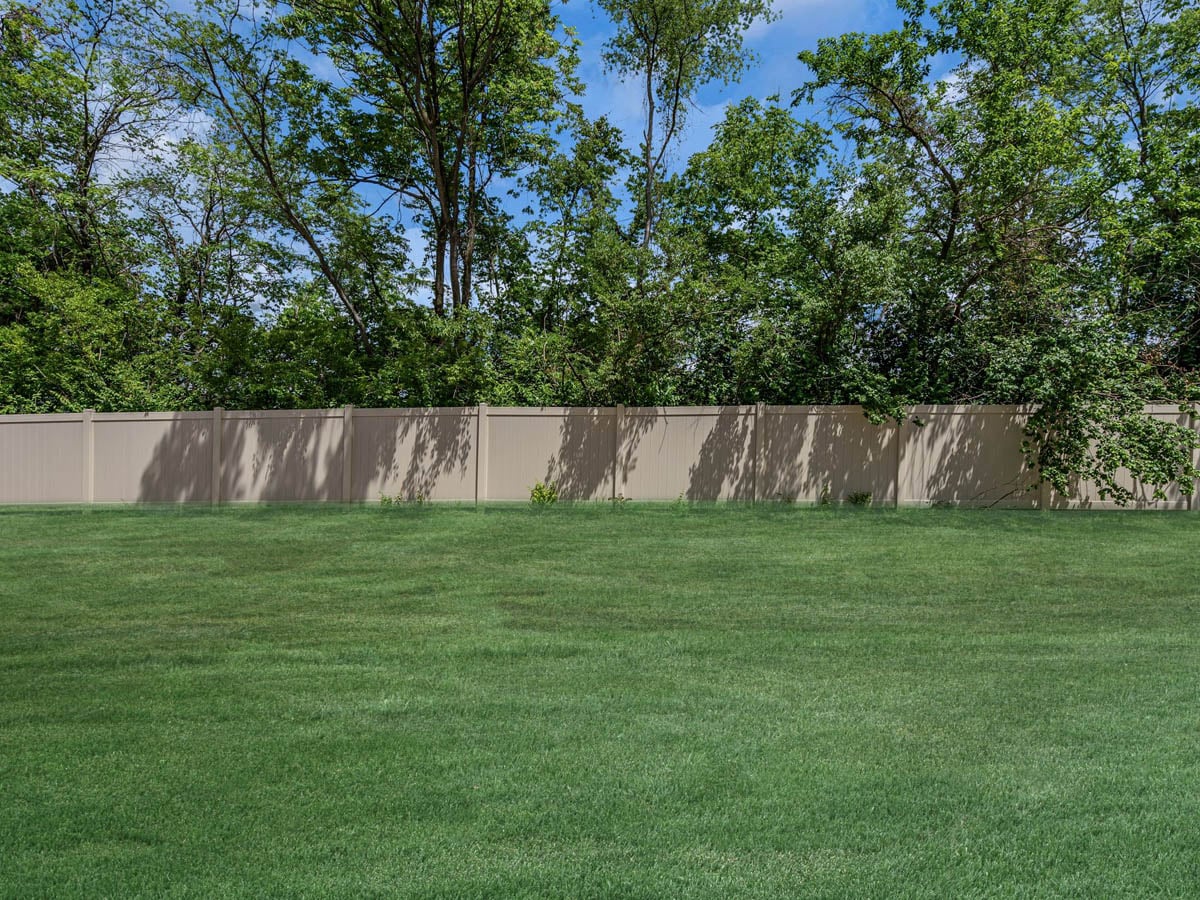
(543, 493)
(826, 497)
(417, 499)
(619, 501)
(859, 498)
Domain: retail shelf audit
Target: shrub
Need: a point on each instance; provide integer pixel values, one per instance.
(543, 493)
(859, 498)
(418, 499)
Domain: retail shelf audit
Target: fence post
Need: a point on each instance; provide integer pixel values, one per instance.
(618, 434)
(900, 459)
(347, 451)
(89, 456)
(481, 453)
(217, 462)
(1193, 502)
(760, 415)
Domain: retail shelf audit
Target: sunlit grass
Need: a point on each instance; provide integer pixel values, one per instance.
(596, 702)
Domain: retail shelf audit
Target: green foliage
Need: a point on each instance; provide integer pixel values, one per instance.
(544, 493)
(859, 498)
(417, 499)
(673, 47)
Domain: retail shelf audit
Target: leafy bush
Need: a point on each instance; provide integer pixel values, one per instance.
(418, 499)
(859, 498)
(543, 493)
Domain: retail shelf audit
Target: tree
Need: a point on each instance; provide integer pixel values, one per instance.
(446, 97)
(674, 47)
(81, 96)
(1003, 166)
(781, 276)
(260, 101)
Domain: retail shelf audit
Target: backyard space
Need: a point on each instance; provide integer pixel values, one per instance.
(598, 701)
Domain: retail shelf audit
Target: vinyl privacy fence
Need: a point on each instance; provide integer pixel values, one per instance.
(965, 455)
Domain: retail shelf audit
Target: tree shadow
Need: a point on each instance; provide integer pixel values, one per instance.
(724, 466)
(581, 468)
(699, 453)
(958, 455)
(297, 455)
(811, 454)
(414, 454)
(153, 457)
(968, 457)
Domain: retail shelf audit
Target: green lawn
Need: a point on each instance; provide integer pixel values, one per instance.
(596, 702)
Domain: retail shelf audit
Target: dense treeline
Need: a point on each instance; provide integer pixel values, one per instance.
(402, 202)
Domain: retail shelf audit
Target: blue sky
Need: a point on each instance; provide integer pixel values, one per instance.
(777, 71)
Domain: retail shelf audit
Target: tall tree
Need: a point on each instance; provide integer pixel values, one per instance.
(260, 101)
(1003, 176)
(674, 47)
(448, 98)
(87, 96)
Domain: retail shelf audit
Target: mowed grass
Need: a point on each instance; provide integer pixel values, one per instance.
(596, 702)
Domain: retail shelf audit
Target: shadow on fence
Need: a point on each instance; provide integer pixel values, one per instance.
(973, 459)
(812, 456)
(417, 454)
(967, 456)
(301, 457)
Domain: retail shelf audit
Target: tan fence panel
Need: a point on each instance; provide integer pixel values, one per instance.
(43, 459)
(966, 455)
(571, 447)
(812, 451)
(413, 453)
(1087, 494)
(282, 455)
(701, 453)
(962, 455)
(146, 457)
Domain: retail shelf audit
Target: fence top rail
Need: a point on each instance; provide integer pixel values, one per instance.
(552, 411)
(919, 410)
(335, 413)
(34, 418)
(402, 412)
(1172, 409)
(813, 410)
(153, 416)
(972, 409)
(663, 411)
